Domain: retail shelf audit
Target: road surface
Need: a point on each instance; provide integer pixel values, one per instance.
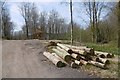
(24, 59)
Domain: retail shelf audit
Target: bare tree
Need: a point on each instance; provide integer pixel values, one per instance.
(7, 25)
(34, 17)
(42, 23)
(94, 10)
(26, 13)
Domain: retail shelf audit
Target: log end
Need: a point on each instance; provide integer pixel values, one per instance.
(78, 58)
(74, 65)
(107, 62)
(92, 52)
(110, 55)
(60, 64)
(67, 58)
(102, 56)
(70, 51)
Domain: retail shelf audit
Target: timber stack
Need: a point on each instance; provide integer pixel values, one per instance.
(76, 56)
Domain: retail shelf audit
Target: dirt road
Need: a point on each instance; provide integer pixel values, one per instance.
(24, 59)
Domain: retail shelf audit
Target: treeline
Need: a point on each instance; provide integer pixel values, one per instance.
(6, 25)
(51, 25)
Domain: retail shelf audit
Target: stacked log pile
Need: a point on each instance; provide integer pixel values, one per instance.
(76, 56)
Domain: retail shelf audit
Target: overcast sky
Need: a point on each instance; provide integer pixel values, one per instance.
(79, 13)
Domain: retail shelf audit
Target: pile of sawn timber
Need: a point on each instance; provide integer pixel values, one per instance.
(76, 56)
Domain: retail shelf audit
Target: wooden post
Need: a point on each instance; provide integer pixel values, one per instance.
(54, 59)
(63, 55)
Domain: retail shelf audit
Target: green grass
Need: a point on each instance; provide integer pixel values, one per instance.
(110, 47)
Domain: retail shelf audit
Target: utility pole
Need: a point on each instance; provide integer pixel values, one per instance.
(71, 22)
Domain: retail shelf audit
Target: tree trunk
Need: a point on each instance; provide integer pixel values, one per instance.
(27, 32)
(71, 22)
(119, 26)
(93, 22)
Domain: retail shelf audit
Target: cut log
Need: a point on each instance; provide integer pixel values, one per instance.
(74, 65)
(88, 50)
(61, 49)
(54, 59)
(54, 54)
(64, 55)
(76, 56)
(101, 65)
(51, 43)
(104, 61)
(83, 62)
(65, 48)
(107, 55)
(81, 52)
(78, 63)
(100, 55)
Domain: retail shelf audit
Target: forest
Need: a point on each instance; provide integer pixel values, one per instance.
(51, 26)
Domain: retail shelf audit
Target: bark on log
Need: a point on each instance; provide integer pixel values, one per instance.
(78, 63)
(74, 65)
(83, 62)
(76, 56)
(54, 54)
(83, 53)
(61, 49)
(88, 50)
(65, 48)
(64, 55)
(107, 55)
(104, 61)
(54, 59)
(101, 65)
(75, 47)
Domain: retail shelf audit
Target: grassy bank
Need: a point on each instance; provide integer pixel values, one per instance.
(110, 47)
